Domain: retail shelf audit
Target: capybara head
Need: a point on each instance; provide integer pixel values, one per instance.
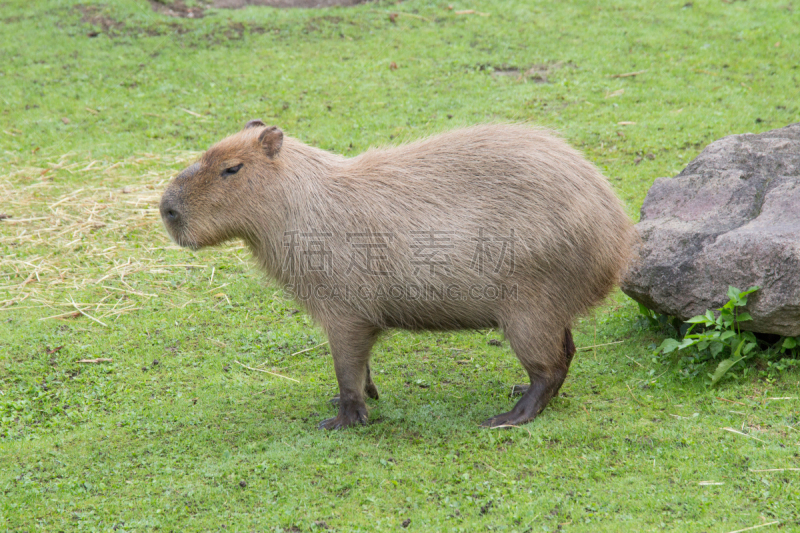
(203, 205)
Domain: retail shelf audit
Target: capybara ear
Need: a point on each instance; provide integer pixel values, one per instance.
(271, 140)
(255, 123)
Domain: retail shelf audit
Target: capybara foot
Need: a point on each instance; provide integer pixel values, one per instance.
(532, 403)
(510, 418)
(350, 414)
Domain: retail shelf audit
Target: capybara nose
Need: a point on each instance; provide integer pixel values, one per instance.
(169, 213)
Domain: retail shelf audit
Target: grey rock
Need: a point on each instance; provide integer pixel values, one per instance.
(732, 217)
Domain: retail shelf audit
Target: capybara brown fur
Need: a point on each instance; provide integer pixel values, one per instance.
(488, 226)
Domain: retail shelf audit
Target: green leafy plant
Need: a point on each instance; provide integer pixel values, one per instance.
(718, 337)
(721, 336)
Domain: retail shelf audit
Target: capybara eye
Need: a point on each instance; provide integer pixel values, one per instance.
(231, 170)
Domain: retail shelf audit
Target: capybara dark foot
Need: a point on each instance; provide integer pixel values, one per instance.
(350, 414)
(507, 419)
(535, 399)
(527, 408)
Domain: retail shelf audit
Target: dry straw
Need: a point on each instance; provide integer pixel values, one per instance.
(65, 227)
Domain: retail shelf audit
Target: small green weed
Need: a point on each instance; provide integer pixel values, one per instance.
(721, 337)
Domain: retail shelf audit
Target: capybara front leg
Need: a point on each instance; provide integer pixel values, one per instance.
(547, 374)
(350, 350)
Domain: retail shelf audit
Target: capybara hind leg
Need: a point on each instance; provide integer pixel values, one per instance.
(569, 352)
(547, 373)
(350, 349)
(369, 389)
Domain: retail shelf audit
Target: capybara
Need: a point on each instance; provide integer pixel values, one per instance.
(488, 226)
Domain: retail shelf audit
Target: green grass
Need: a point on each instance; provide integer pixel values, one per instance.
(174, 435)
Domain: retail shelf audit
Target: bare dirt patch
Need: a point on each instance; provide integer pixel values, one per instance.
(536, 73)
(178, 8)
(238, 4)
(92, 14)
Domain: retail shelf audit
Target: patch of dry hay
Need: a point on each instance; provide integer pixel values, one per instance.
(58, 239)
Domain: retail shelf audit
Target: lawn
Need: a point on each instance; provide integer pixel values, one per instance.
(101, 103)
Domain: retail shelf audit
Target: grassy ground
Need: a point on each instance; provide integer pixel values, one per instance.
(101, 103)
